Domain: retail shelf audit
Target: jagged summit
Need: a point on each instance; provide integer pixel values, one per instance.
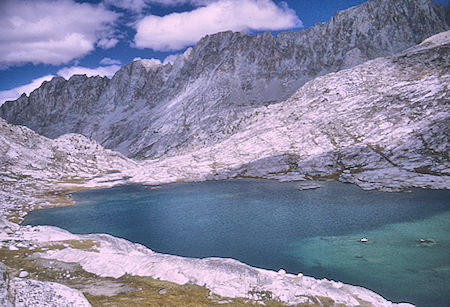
(149, 110)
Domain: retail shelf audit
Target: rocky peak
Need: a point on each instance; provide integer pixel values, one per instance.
(49, 103)
(149, 110)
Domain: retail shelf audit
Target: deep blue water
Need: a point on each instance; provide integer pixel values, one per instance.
(274, 225)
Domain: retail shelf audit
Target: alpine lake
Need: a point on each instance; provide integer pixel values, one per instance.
(275, 225)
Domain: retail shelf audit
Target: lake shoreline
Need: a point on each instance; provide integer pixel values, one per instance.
(209, 213)
(67, 188)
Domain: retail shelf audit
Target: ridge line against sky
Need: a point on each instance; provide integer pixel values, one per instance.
(45, 38)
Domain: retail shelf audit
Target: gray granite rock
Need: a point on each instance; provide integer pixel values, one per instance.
(149, 110)
(4, 286)
(33, 293)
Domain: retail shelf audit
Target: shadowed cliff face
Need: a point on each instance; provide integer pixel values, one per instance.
(149, 110)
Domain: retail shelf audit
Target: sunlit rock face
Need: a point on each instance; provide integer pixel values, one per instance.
(148, 110)
(31, 164)
(382, 125)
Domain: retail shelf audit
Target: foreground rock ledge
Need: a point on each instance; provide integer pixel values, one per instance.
(114, 257)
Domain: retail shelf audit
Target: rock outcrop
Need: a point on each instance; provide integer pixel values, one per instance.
(4, 287)
(29, 292)
(148, 110)
(19, 292)
(31, 165)
(382, 125)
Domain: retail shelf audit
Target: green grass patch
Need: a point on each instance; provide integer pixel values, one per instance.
(139, 291)
(154, 292)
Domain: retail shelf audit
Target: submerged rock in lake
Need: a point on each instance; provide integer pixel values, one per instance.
(427, 242)
(308, 186)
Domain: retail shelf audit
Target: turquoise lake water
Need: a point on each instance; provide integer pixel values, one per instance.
(274, 225)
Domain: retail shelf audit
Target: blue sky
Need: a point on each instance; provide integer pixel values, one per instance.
(40, 39)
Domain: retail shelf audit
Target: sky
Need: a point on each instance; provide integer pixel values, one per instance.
(40, 39)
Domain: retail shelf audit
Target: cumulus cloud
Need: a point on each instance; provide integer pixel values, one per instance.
(103, 71)
(169, 59)
(178, 30)
(52, 32)
(109, 61)
(106, 43)
(15, 93)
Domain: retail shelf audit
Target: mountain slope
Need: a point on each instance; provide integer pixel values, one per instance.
(31, 165)
(150, 110)
(383, 124)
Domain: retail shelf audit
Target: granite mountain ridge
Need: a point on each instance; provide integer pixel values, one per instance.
(148, 110)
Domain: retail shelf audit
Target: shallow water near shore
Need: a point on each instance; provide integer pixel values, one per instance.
(274, 225)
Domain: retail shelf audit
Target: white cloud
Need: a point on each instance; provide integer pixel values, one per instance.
(178, 30)
(148, 63)
(109, 61)
(52, 32)
(152, 60)
(104, 71)
(169, 59)
(15, 93)
(106, 43)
